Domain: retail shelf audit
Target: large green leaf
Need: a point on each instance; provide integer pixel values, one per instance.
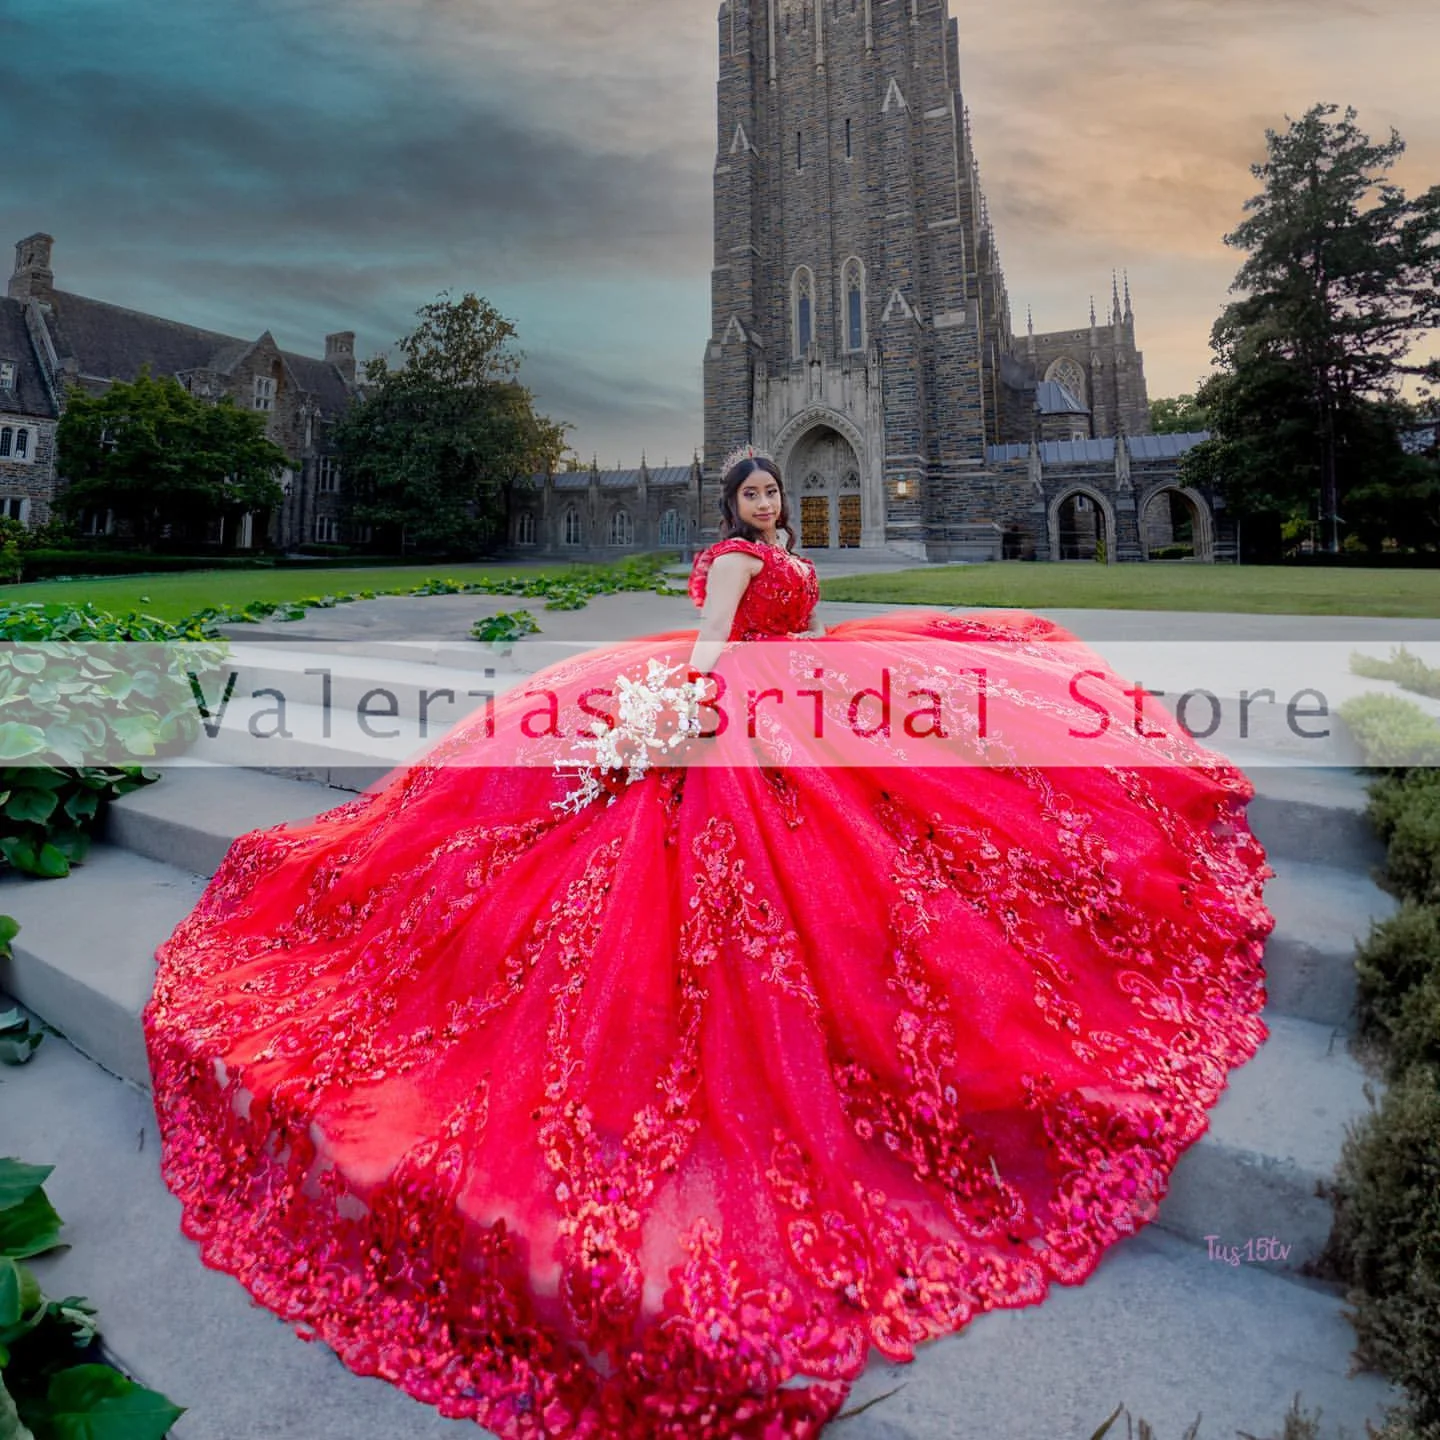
(31, 807)
(30, 1228)
(46, 861)
(17, 741)
(19, 1293)
(27, 662)
(18, 1180)
(94, 1402)
(82, 804)
(72, 843)
(9, 929)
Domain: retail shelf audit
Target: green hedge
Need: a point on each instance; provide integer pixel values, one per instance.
(1386, 1240)
(47, 564)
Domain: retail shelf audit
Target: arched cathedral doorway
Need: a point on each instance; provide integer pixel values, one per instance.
(823, 484)
(1082, 526)
(1175, 524)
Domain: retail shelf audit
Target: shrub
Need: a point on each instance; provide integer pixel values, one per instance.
(1392, 732)
(1398, 968)
(1412, 857)
(1408, 671)
(1390, 796)
(1386, 1240)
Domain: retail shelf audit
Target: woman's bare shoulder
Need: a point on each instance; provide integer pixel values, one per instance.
(737, 562)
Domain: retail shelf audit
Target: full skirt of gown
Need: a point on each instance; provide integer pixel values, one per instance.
(656, 1119)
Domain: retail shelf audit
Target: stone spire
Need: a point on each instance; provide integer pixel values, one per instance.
(1129, 313)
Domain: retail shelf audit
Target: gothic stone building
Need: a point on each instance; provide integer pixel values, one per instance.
(861, 328)
(51, 340)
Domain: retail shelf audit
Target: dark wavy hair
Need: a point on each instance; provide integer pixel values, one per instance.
(731, 525)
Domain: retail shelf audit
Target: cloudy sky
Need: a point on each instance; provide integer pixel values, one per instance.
(314, 165)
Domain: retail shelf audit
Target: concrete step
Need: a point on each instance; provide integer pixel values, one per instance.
(333, 746)
(84, 959)
(192, 815)
(86, 966)
(1313, 813)
(346, 680)
(1158, 1326)
(1321, 913)
(1274, 1139)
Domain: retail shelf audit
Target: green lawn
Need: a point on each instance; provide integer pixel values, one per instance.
(172, 597)
(1247, 589)
(1257, 590)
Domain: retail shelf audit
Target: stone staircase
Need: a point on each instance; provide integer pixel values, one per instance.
(1232, 1340)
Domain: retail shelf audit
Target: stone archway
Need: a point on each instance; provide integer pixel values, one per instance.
(1175, 519)
(822, 478)
(1082, 526)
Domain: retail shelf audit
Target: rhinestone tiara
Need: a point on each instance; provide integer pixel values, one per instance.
(745, 452)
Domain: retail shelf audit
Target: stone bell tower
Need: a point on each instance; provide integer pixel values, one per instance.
(858, 307)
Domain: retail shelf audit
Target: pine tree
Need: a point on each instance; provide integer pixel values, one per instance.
(1340, 285)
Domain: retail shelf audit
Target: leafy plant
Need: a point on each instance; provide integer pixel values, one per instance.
(75, 685)
(505, 627)
(51, 1386)
(18, 1041)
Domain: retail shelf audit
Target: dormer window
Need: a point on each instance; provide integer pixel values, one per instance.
(8, 371)
(264, 393)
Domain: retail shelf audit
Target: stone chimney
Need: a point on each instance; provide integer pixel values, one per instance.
(33, 278)
(340, 352)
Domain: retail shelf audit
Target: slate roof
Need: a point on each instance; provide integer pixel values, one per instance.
(1061, 452)
(29, 397)
(1052, 398)
(113, 343)
(660, 476)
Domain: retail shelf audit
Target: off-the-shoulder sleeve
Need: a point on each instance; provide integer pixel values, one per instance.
(700, 570)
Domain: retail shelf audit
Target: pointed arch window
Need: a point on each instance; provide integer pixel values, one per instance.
(574, 531)
(854, 287)
(1067, 372)
(674, 528)
(622, 528)
(525, 528)
(802, 290)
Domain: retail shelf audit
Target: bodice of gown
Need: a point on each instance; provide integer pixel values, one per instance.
(779, 601)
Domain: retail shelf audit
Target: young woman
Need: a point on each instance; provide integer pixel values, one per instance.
(657, 1117)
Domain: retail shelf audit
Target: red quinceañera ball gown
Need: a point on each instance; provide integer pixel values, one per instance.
(656, 1117)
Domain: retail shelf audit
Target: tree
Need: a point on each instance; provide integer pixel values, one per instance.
(1339, 285)
(428, 452)
(155, 455)
(1177, 415)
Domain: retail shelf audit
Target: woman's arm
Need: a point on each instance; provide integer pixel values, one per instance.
(724, 585)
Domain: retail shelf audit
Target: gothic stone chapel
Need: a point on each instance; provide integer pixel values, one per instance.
(861, 329)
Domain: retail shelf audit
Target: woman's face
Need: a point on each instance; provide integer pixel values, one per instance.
(757, 502)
